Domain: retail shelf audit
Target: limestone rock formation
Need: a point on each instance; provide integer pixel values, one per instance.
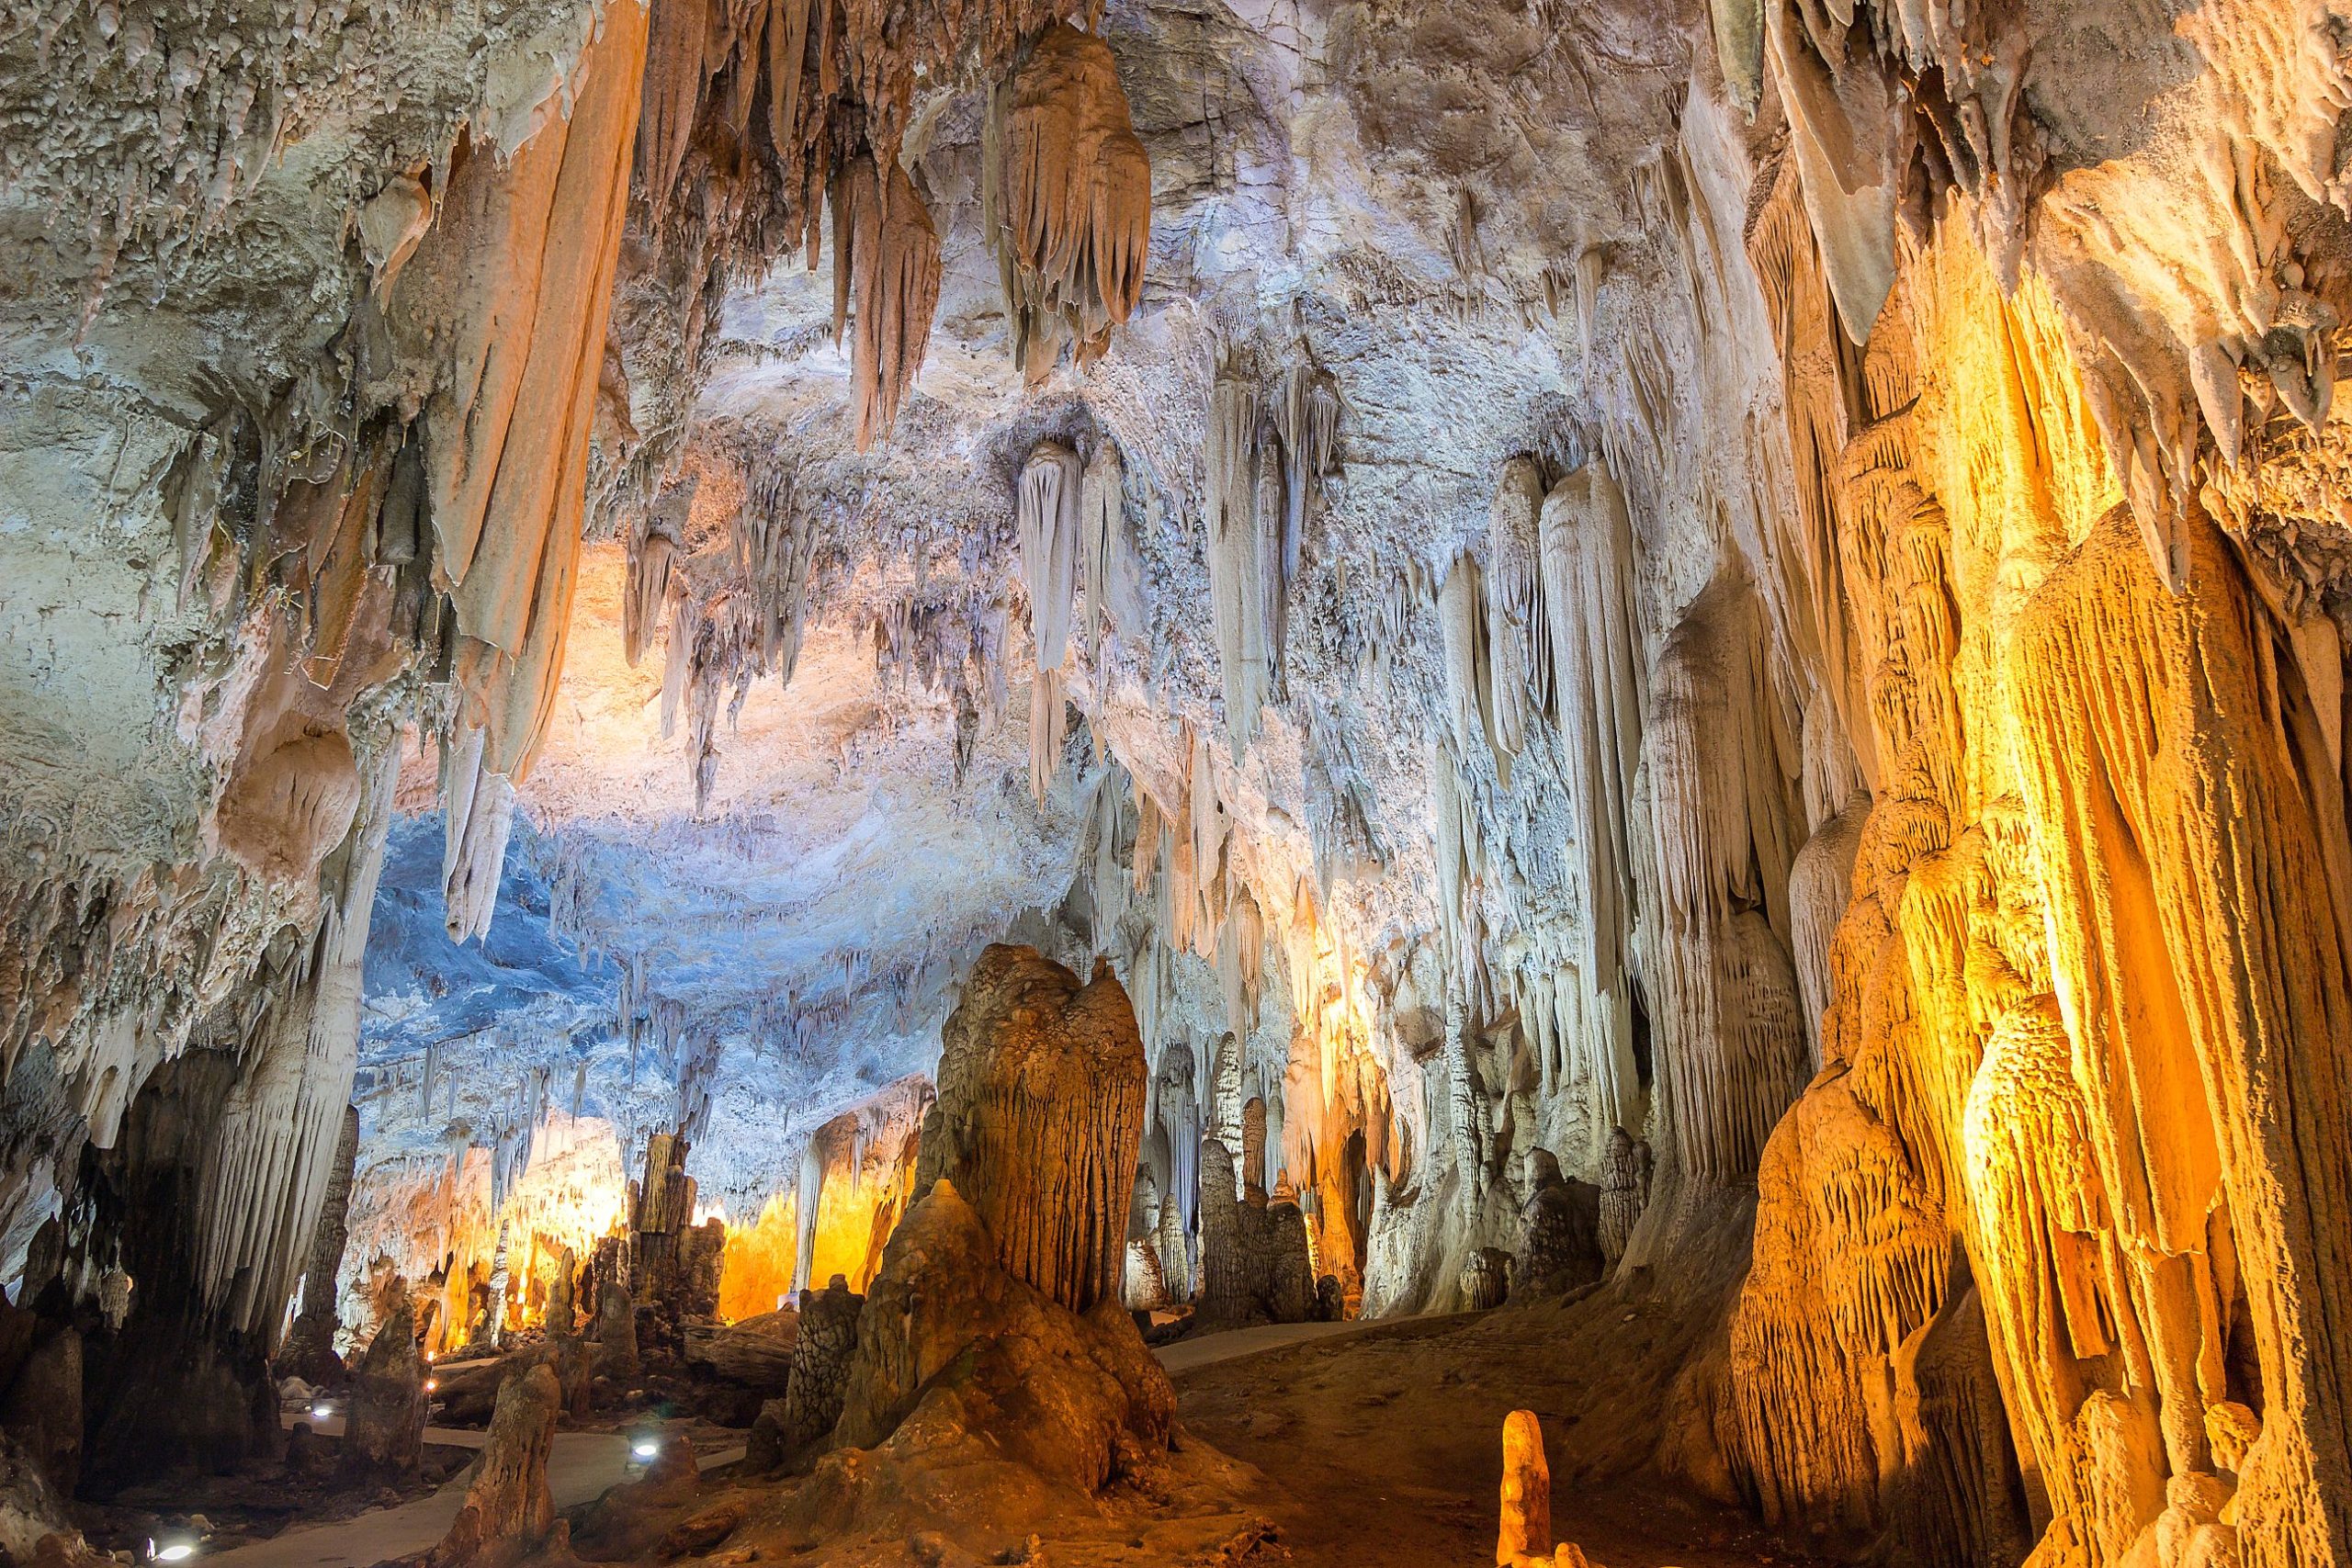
(822, 1357)
(886, 272)
(508, 1514)
(1040, 1118)
(1690, 670)
(1560, 1248)
(1254, 1255)
(384, 1418)
(951, 1345)
(1068, 199)
(1524, 1538)
(309, 1352)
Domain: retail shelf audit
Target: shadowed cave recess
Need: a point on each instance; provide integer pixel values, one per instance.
(1192, 782)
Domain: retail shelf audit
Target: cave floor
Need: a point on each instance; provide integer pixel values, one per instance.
(1383, 1447)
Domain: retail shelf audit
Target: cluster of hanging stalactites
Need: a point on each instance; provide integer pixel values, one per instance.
(885, 262)
(1066, 198)
(1267, 457)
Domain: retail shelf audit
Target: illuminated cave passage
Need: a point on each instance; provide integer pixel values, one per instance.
(892, 783)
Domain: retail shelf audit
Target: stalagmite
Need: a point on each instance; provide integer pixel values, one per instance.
(384, 1428)
(1526, 1529)
(1067, 192)
(1524, 1538)
(1254, 1262)
(1625, 1193)
(1040, 1119)
(308, 1350)
(1560, 1244)
(508, 1514)
(820, 1363)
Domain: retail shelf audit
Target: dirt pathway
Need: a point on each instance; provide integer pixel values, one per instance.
(1383, 1449)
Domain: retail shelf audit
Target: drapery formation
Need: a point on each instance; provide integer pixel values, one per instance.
(1067, 199)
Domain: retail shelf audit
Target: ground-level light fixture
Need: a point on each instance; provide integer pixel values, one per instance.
(171, 1549)
(321, 1410)
(645, 1448)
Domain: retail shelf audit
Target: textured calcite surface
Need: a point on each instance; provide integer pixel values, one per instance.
(1637, 645)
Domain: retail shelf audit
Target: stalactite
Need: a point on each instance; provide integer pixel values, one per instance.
(1067, 199)
(1308, 418)
(1518, 638)
(1239, 548)
(1469, 688)
(479, 815)
(275, 1136)
(1048, 730)
(885, 265)
(1052, 486)
(1115, 585)
(509, 293)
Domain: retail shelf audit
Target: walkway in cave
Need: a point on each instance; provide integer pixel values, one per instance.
(1382, 1448)
(580, 1466)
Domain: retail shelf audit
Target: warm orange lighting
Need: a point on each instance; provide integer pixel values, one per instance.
(755, 1272)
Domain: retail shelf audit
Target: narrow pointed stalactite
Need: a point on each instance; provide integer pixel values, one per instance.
(1236, 547)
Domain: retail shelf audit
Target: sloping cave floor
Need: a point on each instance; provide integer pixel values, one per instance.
(1375, 1445)
(1383, 1447)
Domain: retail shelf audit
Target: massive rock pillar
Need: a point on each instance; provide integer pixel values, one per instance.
(1039, 1120)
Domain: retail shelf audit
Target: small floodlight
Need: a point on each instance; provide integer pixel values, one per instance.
(176, 1549)
(645, 1448)
(321, 1410)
